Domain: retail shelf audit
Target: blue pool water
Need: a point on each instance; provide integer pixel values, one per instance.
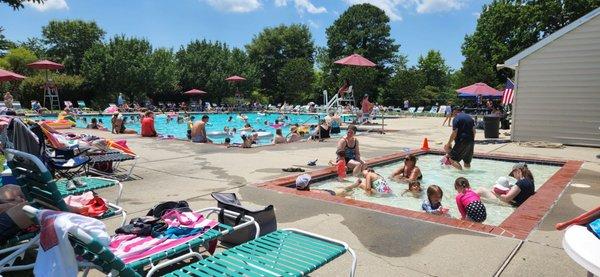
(215, 126)
(483, 173)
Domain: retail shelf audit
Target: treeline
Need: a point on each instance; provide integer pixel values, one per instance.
(282, 63)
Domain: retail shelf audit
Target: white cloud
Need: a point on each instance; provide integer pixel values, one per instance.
(392, 7)
(476, 14)
(432, 6)
(235, 6)
(49, 5)
(302, 6)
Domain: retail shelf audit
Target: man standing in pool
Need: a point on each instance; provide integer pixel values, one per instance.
(463, 136)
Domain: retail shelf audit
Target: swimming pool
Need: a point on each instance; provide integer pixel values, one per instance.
(216, 124)
(518, 222)
(483, 174)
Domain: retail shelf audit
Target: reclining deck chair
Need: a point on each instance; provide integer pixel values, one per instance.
(95, 255)
(41, 190)
(81, 105)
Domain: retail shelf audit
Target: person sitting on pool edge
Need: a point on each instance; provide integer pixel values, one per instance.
(199, 131)
(118, 125)
(303, 183)
(523, 188)
(147, 128)
(95, 125)
(349, 144)
(408, 172)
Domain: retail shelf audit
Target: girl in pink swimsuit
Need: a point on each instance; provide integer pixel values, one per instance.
(468, 202)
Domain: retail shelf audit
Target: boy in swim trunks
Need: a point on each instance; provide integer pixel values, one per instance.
(374, 183)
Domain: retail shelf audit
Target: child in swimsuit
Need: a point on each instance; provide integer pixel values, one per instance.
(340, 164)
(468, 202)
(414, 187)
(374, 183)
(433, 203)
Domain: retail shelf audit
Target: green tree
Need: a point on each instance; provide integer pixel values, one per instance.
(17, 4)
(5, 44)
(70, 87)
(35, 45)
(434, 69)
(204, 65)
(165, 71)
(362, 29)
(122, 66)
(295, 79)
(273, 48)
(68, 40)
(18, 58)
(507, 27)
(404, 85)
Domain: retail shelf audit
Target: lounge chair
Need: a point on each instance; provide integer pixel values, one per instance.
(17, 106)
(95, 255)
(68, 104)
(433, 110)
(116, 158)
(441, 110)
(411, 110)
(419, 111)
(81, 105)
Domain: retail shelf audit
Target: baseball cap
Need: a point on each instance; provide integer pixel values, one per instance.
(302, 181)
(520, 165)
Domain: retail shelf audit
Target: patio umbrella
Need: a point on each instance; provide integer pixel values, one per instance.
(195, 92)
(235, 79)
(6, 75)
(355, 60)
(477, 89)
(46, 64)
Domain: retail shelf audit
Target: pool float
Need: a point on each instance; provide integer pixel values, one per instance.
(277, 126)
(263, 134)
(60, 124)
(260, 114)
(218, 134)
(304, 129)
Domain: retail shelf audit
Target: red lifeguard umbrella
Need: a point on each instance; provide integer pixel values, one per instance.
(479, 89)
(235, 79)
(6, 75)
(195, 92)
(355, 60)
(46, 64)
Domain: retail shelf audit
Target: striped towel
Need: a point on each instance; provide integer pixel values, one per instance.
(131, 248)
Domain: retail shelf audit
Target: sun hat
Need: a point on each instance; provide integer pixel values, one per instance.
(302, 181)
(519, 165)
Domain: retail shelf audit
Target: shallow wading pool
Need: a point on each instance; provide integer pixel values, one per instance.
(551, 177)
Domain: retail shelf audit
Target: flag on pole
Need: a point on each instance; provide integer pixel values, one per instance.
(509, 92)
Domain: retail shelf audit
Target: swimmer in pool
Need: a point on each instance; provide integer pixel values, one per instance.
(373, 182)
(303, 183)
(414, 188)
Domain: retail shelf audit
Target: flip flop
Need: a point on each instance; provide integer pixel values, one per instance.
(313, 162)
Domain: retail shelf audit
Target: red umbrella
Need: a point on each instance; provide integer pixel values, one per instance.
(46, 64)
(235, 78)
(355, 60)
(195, 92)
(479, 89)
(6, 75)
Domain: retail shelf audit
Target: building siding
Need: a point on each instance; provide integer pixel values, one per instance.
(558, 90)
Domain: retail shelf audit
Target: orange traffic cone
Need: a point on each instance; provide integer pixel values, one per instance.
(425, 145)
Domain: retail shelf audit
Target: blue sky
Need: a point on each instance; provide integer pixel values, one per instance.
(418, 25)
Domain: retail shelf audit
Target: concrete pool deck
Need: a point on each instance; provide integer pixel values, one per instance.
(386, 245)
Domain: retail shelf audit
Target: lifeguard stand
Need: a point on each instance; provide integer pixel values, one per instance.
(338, 103)
(51, 96)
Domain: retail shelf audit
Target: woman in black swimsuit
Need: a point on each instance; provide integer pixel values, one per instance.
(349, 144)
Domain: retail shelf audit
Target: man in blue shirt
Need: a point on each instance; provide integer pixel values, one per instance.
(463, 136)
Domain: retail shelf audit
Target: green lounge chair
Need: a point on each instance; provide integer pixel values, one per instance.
(95, 255)
(286, 252)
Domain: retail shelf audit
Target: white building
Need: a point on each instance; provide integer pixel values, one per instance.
(558, 86)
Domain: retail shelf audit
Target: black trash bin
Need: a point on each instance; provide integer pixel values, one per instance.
(491, 126)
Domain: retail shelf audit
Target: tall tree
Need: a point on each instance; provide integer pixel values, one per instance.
(35, 45)
(17, 4)
(5, 44)
(434, 69)
(507, 27)
(204, 65)
(68, 40)
(165, 72)
(362, 29)
(122, 66)
(296, 79)
(274, 47)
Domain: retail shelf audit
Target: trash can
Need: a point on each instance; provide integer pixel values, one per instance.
(491, 126)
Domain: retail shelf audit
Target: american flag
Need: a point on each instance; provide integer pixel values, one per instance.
(509, 92)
